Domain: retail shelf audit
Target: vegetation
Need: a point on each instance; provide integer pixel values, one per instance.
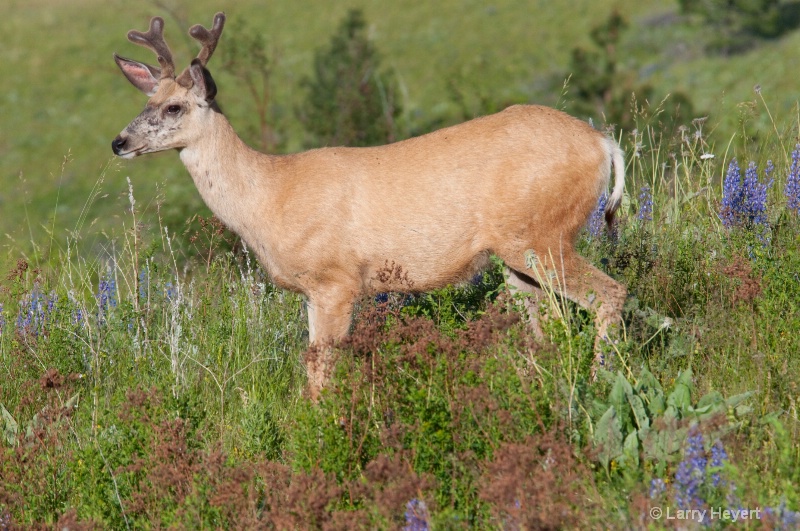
(154, 377)
(350, 102)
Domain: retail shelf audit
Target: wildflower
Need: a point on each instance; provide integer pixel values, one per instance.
(33, 312)
(170, 291)
(782, 517)
(731, 194)
(144, 277)
(792, 189)
(417, 516)
(657, 488)
(106, 295)
(597, 219)
(691, 474)
(718, 458)
(645, 205)
(78, 317)
(2, 319)
(744, 202)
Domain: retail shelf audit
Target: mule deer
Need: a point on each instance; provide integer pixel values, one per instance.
(326, 222)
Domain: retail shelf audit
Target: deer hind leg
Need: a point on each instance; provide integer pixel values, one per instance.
(575, 278)
(521, 283)
(329, 317)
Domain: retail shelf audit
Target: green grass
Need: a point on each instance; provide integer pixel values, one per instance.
(178, 400)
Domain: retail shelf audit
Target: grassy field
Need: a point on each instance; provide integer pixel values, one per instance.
(153, 378)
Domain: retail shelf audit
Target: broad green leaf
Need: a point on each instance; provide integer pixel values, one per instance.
(710, 399)
(639, 413)
(608, 437)
(619, 393)
(736, 400)
(631, 449)
(10, 426)
(657, 406)
(681, 396)
(647, 383)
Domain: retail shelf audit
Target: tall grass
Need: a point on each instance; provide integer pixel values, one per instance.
(158, 381)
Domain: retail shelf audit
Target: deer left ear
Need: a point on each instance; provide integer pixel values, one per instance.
(142, 76)
(203, 82)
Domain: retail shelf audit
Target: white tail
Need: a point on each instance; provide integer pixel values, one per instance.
(329, 222)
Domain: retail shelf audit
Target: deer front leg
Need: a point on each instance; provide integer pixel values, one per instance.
(329, 317)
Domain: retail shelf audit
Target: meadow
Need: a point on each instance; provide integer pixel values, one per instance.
(153, 377)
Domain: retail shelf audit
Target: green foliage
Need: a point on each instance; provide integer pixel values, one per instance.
(452, 307)
(603, 89)
(246, 57)
(640, 418)
(350, 101)
(735, 22)
(444, 402)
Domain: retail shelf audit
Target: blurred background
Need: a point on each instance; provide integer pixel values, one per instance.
(305, 73)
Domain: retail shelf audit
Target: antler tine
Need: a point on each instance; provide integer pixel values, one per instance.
(208, 39)
(154, 39)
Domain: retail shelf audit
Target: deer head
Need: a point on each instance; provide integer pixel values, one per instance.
(173, 117)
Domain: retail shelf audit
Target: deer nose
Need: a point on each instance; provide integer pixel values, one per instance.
(118, 144)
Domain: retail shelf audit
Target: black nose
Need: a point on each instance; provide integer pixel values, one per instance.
(118, 144)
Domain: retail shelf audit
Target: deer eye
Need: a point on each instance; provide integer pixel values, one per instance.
(173, 109)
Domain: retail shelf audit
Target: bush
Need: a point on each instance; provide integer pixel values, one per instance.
(350, 101)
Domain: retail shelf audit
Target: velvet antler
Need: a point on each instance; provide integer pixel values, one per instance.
(208, 39)
(154, 39)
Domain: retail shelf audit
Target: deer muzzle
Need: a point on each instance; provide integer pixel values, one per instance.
(119, 147)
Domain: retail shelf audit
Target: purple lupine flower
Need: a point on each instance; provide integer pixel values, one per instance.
(78, 317)
(792, 188)
(744, 202)
(107, 292)
(691, 474)
(645, 205)
(783, 518)
(144, 277)
(657, 488)
(106, 295)
(170, 291)
(718, 458)
(731, 194)
(2, 319)
(33, 312)
(416, 516)
(597, 219)
(755, 195)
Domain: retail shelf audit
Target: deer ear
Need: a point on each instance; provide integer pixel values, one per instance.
(203, 82)
(143, 77)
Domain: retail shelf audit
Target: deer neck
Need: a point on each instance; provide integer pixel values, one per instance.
(232, 178)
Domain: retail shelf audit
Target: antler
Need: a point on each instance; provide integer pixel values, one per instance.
(209, 40)
(154, 39)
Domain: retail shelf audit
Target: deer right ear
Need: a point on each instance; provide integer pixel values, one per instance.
(142, 76)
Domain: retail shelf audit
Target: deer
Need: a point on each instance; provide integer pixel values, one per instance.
(519, 184)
